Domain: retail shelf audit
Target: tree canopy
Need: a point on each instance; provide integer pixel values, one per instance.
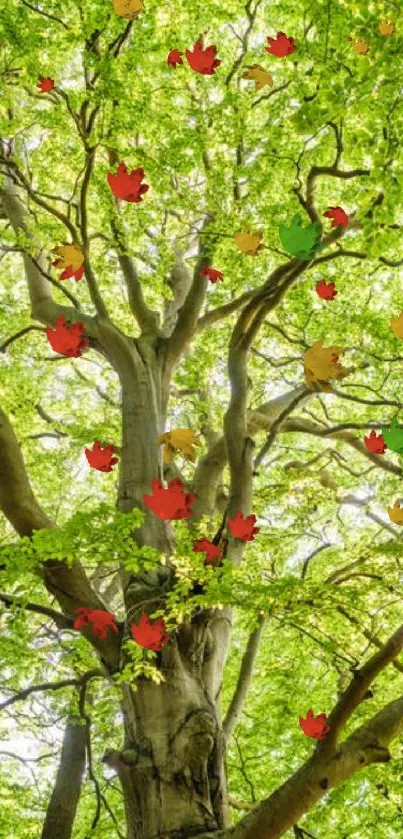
(315, 595)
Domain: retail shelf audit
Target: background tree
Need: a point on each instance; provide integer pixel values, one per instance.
(306, 615)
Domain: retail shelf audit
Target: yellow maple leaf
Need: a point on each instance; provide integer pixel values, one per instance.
(397, 325)
(259, 75)
(180, 439)
(361, 47)
(386, 27)
(128, 9)
(395, 513)
(69, 255)
(249, 243)
(319, 366)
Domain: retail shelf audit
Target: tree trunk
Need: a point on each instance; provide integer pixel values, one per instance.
(172, 765)
(62, 807)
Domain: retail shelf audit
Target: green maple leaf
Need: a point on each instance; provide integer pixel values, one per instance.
(301, 241)
(394, 437)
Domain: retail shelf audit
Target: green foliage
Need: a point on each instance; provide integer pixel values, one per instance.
(321, 607)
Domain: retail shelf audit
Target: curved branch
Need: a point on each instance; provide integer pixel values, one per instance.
(330, 171)
(19, 334)
(147, 319)
(45, 14)
(189, 312)
(281, 810)
(89, 275)
(43, 307)
(68, 583)
(60, 620)
(357, 689)
(22, 694)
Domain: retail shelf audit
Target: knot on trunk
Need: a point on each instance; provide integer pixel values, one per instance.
(192, 745)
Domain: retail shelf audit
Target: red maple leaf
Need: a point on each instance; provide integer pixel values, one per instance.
(243, 528)
(203, 61)
(101, 621)
(69, 272)
(128, 186)
(213, 553)
(338, 216)
(67, 340)
(212, 274)
(174, 58)
(314, 726)
(375, 444)
(170, 503)
(281, 45)
(150, 635)
(327, 291)
(46, 84)
(101, 459)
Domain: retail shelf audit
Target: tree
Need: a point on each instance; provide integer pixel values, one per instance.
(173, 351)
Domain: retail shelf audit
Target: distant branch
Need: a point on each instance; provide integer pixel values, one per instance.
(244, 680)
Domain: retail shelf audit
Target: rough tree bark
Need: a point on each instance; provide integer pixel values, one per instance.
(172, 765)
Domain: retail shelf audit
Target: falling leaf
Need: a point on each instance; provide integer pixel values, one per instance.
(314, 726)
(281, 45)
(213, 553)
(327, 291)
(249, 243)
(152, 636)
(171, 503)
(299, 241)
(101, 459)
(375, 444)
(127, 186)
(100, 620)
(338, 216)
(321, 364)
(129, 9)
(180, 439)
(361, 47)
(174, 58)
(203, 60)
(393, 437)
(259, 75)
(46, 84)
(67, 340)
(397, 325)
(243, 528)
(395, 513)
(386, 27)
(212, 274)
(71, 258)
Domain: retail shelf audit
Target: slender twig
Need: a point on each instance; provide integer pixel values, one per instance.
(45, 14)
(19, 334)
(44, 686)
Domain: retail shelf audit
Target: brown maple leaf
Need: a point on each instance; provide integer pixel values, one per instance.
(259, 75)
(249, 243)
(180, 439)
(322, 364)
(128, 9)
